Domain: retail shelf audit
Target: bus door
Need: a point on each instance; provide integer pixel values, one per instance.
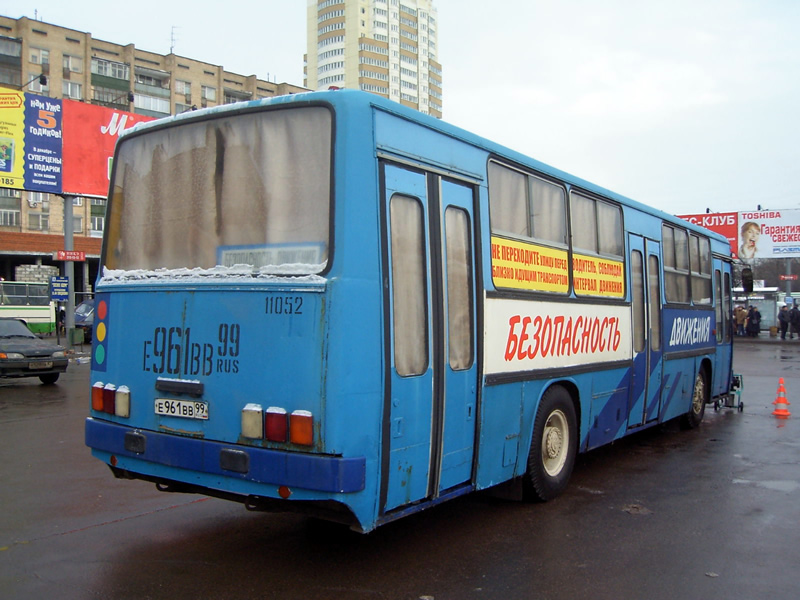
(645, 400)
(723, 312)
(429, 431)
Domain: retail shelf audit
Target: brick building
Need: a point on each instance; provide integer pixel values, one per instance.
(58, 62)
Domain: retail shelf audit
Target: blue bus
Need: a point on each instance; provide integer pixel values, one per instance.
(334, 304)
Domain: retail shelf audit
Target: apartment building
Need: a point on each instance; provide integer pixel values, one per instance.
(58, 62)
(387, 47)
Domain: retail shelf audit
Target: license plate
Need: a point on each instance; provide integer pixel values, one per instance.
(188, 409)
(45, 364)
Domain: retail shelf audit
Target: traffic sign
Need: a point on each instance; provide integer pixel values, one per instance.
(73, 255)
(59, 289)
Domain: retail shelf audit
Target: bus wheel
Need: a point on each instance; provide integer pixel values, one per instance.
(553, 447)
(692, 419)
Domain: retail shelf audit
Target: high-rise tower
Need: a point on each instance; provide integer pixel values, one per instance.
(387, 47)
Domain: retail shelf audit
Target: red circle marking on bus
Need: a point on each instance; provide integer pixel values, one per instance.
(102, 309)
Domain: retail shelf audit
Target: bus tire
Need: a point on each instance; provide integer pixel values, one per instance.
(692, 419)
(553, 447)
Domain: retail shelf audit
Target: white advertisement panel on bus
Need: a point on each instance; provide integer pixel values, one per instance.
(525, 336)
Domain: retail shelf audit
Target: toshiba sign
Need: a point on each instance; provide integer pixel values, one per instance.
(755, 234)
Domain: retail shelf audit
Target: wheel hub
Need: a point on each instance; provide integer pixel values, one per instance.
(553, 442)
(699, 397)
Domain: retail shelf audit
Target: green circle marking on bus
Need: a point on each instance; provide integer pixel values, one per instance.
(100, 355)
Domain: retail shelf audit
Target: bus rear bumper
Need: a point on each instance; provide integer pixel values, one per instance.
(333, 474)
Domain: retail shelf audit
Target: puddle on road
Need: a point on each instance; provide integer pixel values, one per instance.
(787, 486)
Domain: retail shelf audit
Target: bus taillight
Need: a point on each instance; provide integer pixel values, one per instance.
(109, 393)
(109, 399)
(277, 424)
(122, 404)
(252, 422)
(97, 396)
(301, 428)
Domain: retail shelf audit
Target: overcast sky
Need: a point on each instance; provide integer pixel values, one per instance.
(680, 104)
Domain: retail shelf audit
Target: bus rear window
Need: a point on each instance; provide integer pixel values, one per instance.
(250, 189)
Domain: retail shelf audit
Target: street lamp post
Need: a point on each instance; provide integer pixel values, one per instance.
(42, 81)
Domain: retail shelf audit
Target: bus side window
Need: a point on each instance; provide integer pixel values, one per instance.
(637, 294)
(609, 230)
(409, 277)
(508, 204)
(727, 307)
(700, 259)
(676, 264)
(597, 236)
(596, 226)
(584, 223)
(718, 306)
(548, 211)
(459, 288)
(655, 303)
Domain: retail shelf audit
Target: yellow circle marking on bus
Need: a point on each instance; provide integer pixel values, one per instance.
(101, 332)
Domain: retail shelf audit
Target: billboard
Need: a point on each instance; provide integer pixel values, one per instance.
(723, 223)
(90, 133)
(769, 234)
(30, 142)
(756, 234)
(58, 146)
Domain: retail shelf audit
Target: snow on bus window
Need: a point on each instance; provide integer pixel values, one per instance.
(197, 194)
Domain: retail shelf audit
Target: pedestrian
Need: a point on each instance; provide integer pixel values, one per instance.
(753, 322)
(783, 320)
(794, 322)
(741, 317)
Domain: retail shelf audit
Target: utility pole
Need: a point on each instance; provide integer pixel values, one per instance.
(69, 269)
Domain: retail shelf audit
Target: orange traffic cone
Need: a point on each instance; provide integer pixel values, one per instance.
(781, 402)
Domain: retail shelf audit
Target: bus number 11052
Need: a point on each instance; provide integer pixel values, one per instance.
(284, 305)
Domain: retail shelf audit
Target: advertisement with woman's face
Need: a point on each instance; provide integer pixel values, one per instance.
(769, 234)
(749, 236)
(759, 234)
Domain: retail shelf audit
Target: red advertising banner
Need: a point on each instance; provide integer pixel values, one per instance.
(90, 133)
(71, 255)
(726, 224)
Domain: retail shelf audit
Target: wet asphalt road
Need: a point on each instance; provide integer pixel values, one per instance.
(667, 514)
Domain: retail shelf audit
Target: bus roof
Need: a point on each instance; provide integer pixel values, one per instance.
(356, 99)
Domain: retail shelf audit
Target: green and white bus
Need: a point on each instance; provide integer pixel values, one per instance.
(30, 302)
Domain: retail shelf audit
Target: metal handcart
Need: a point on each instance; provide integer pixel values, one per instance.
(733, 399)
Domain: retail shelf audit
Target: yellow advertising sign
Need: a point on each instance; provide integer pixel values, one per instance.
(12, 130)
(593, 276)
(526, 266)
